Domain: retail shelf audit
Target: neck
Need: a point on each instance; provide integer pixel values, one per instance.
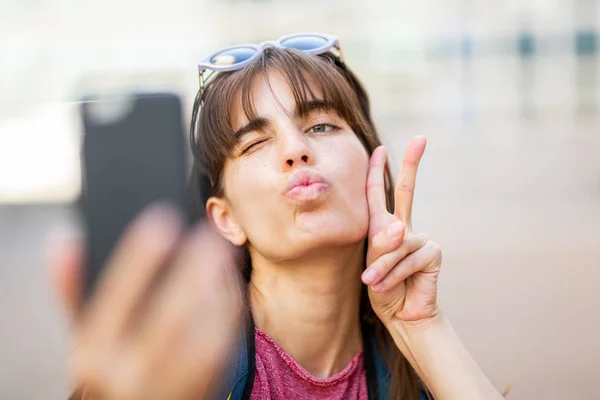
(311, 307)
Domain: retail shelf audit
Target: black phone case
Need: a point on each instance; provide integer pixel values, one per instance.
(133, 155)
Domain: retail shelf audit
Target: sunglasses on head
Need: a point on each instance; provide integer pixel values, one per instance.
(237, 57)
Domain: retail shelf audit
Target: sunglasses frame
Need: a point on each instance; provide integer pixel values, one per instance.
(332, 42)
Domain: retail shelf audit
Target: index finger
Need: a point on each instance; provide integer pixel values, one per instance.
(405, 186)
(376, 182)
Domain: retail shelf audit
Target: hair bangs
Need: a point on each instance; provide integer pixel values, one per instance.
(309, 79)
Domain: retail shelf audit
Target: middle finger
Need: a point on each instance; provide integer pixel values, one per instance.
(405, 186)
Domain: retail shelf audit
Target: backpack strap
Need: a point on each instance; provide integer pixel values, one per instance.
(381, 372)
(250, 361)
(239, 375)
(376, 370)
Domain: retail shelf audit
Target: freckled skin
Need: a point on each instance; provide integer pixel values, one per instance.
(255, 182)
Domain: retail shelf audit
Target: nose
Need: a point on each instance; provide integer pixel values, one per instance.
(295, 151)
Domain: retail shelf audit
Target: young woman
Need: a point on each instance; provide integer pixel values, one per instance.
(339, 294)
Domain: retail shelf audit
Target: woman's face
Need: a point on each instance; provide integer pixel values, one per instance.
(295, 183)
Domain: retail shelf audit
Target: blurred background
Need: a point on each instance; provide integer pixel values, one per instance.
(507, 91)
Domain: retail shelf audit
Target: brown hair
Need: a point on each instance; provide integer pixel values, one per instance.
(339, 87)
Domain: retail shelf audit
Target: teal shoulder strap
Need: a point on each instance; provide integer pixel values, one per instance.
(239, 376)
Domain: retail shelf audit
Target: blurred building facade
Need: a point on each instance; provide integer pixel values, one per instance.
(438, 58)
(453, 61)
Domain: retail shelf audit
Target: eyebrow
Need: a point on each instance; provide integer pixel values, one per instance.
(304, 109)
(256, 124)
(301, 110)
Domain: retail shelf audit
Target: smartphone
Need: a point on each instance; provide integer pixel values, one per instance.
(134, 154)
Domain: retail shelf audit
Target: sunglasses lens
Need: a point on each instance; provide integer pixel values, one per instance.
(233, 56)
(305, 42)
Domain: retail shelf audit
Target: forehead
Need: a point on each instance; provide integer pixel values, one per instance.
(269, 95)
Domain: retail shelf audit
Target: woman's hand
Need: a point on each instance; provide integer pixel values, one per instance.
(402, 267)
(163, 316)
(402, 274)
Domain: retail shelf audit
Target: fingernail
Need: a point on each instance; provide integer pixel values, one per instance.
(369, 276)
(396, 229)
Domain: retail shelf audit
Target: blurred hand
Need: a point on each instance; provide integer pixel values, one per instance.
(140, 337)
(402, 267)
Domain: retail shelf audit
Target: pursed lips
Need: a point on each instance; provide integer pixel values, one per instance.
(306, 185)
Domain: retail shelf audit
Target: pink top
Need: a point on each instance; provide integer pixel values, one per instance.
(279, 377)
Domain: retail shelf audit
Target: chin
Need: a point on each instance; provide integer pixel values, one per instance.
(314, 239)
(335, 230)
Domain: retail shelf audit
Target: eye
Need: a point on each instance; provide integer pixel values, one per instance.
(249, 146)
(322, 128)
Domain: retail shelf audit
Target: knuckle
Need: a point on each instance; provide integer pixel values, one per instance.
(387, 263)
(404, 188)
(374, 186)
(412, 263)
(433, 245)
(436, 249)
(382, 265)
(393, 278)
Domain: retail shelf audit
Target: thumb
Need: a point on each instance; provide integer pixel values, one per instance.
(65, 263)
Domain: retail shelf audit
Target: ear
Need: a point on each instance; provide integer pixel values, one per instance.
(219, 213)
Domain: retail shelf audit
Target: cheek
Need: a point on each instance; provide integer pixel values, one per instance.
(249, 187)
(249, 175)
(351, 169)
(352, 166)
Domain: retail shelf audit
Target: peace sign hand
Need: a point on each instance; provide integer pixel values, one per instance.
(402, 267)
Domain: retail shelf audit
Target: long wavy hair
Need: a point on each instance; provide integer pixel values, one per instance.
(213, 139)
